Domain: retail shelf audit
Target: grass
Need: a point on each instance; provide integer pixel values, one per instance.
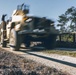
(67, 53)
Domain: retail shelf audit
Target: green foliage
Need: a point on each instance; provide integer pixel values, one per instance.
(67, 38)
(68, 20)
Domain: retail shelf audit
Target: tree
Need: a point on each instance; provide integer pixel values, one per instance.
(71, 13)
(62, 22)
(67, 21)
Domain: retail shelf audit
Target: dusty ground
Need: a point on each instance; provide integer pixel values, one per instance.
(11, 64)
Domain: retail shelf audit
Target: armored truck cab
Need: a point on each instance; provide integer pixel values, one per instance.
(25, 29)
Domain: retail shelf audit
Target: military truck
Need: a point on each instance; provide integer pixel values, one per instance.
(23, 28)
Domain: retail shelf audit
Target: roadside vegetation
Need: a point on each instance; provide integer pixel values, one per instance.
(61, 52)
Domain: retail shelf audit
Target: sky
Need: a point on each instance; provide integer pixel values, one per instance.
(42, 8)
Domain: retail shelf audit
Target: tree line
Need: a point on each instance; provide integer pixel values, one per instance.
(67, 21)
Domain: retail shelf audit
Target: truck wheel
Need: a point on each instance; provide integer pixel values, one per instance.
(3, 40)
(47, 44)
(14, 40)
(4, 43)
(27, 41)
(50, 42)
(27, 44)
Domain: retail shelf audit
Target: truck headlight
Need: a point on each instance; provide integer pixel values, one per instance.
(17, 27)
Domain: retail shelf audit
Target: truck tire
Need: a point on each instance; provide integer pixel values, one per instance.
(50, 42)
(27, 41)
(3, 41)
(27, 44)
(14, 40)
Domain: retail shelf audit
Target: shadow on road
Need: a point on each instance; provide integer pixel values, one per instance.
(48, 58)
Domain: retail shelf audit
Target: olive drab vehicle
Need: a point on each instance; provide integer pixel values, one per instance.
(23, 28)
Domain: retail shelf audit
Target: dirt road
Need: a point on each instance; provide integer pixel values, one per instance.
(61, 63)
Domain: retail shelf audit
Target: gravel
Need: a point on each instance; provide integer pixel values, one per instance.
(11, 64)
